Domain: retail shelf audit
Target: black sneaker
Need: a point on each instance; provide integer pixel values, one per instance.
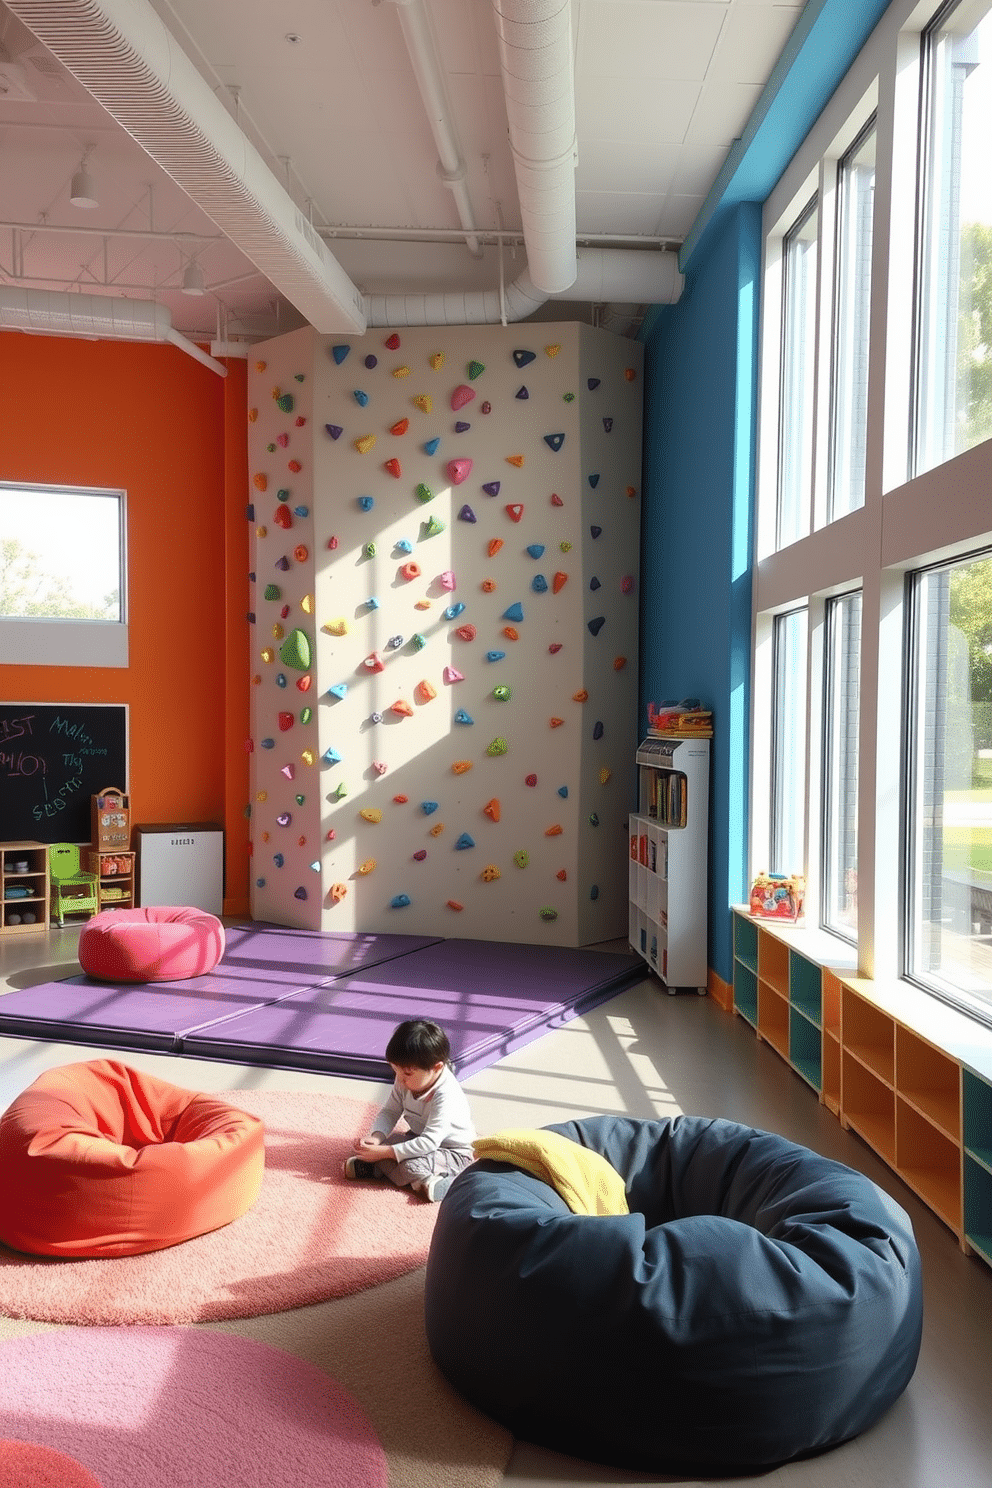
(355, 1168)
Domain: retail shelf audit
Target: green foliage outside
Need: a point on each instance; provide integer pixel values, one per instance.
(27, 591)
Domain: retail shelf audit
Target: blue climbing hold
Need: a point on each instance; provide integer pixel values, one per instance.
(595, 626)
(339, 353)
(563, 792)
(366, 502)
(453, 610)
(372, 603)
(281, 679)
(597, 732)
(495, 655)
(594, 892)
(464, 841)
(592, 384)
(399, 901)
(539, 583)
(403, 545)
(554, 441)
(432, 446)
(268, 743)
(338, 690)
(428, 807)
(535, 549)
(594, 481)
(515, 612)
(301, 511)
(330, 756)
(462, 717)
(523, 357)
(278, 859)
(250, 512)
(361, 398)
(594, 583)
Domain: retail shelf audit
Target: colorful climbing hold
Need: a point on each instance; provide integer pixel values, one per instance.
(370, 552)
(393, 468)
(461, 395)
(410, 571)
(393, 342)
(515, 511)
(490, 873)
(371, 814)
(459, 470)
(497, 747)
(627, 584)
(403, 545)
(436, 360)
(437, 830)
(475, 369)
(552, 351)
(563, 792)
(339, 353)
(272, 591)
(582, 696)
(420, 855)
(418, 641)
(301, 552)
(286, 721)
(515, 613)
(466, 514)
(492, 810)
(491, 488)
(402, 708)
(595, 531)
(561, 874)
(597, 732)
(285, 402)
(535, 550)
(464, 841)
(338, 892)
(337, 690)
(502, 694)
(371, 361)
(593, 819)
(461, 767)
(595, 626)
(486, 407)
(594, 481)
(380, 767)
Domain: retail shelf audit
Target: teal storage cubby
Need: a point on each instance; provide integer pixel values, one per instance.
(806, 987)
(746, 992)
(746, 942)
(977, 1117)
(805, 1049)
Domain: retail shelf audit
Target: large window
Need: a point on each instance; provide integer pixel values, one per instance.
(852, 310)
(954, 295)
(788, 786)
(842, 696)
(62, 576)
(949, 795)
(872, 667)
(797, 377)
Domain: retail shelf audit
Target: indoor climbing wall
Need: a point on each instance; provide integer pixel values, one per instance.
(444, 630)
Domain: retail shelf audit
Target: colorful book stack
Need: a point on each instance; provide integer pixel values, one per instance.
(687, 719)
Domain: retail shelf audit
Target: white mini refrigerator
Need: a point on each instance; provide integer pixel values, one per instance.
(179, 864)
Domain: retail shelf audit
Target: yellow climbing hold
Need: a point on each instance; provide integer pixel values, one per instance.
(490, 873)
(460, 766)
(437, 360)
(261, 531)
(268, 654)
(306, 603)
(367, 867)
(437, 829)
(552, 351)
(604, 775)
(336, 627)
(308, 757)
(422, 604)
(261, 795)
(371, 814)
(259, 366)
(364, 444)
(277, 632)
(423, 402)
(401, 371)
(517, 460)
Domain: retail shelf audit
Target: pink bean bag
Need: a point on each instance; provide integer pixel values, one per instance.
(150, 945)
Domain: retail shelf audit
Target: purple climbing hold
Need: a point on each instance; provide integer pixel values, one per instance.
(594, 481)
(595, 531)
(597, 732)
(466, 514)
(335, 430)
(371, 361)
(461, 427)
(491, 488)
(522, 393)
(282, 564)
(594, 582)
(608, 425)
(592, 384)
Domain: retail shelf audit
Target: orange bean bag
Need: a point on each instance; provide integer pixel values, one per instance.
(98, 1159)
(153, 944)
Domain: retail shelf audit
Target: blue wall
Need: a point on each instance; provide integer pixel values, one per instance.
(699, 437)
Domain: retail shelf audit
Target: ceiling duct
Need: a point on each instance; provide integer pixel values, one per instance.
(100, 317)
(125, 57)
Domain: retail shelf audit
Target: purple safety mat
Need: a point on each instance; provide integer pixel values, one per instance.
(260, 964)
(490, 999)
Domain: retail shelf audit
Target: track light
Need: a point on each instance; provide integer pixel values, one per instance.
(193, 279)
(82, 192)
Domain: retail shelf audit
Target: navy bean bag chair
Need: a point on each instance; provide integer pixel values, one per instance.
(759, 1303)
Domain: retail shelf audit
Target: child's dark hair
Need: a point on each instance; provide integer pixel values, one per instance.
(419, 1043)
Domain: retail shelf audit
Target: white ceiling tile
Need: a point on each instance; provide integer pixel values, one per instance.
(752, 42)
(644, 39)
(636, 165)
(677, 216)
(611, 212)
(697, 169)
(609, 108)
(721, 113)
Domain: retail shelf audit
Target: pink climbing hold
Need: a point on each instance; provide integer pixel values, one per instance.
(466, 632)
(459, 470)
(462, 395)
(282, 440)
(452, 674)
(627, 584)
(447, 579)
(289, 771)
(379, 767)
(332, 543)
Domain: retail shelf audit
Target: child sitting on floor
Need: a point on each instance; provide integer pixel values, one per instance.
(436, 1143)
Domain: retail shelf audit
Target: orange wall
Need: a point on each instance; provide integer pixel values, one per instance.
(172, 434)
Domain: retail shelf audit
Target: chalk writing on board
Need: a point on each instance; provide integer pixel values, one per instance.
(52, 759)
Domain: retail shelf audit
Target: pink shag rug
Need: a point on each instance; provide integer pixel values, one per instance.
(185, 1408)
(310, 1236)
(25, 1465)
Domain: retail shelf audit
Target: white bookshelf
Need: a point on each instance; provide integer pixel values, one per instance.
(667, 866)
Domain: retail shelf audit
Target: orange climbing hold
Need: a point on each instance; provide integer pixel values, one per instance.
(517, 460)
(260, 481)
(491, 809)
(556, 722)
(437, 829)
(453, 904)
(338, 892)
(402, 707)
(558, 582)
(410, 571)
(510, 633)
(495, 544)
(401, 800)
(400, 427)
(554, 831)
(425, 691)
(488, 585)
(582, 696)
(460, 767)
(619, 662)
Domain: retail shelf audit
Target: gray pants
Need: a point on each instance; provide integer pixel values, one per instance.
(443, 1160)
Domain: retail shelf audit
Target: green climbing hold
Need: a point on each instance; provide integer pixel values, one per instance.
(370, 550)
(306, 715)
(498, 746)
(418, 640)
(272, 591)
(475, 369)
(285, 402)
(521, 858)
(433, 527)
(547, 913)
(424, 493)
(296, 650)
(502, 694)
(300, 800)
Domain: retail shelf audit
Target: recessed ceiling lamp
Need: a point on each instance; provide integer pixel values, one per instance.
(193, 279)
(82, 192)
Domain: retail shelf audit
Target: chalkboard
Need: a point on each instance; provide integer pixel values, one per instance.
(53, 757)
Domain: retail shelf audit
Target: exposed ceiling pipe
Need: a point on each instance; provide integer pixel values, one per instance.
(124, 56)
(101, 317)
(535, 48)
(419, 37)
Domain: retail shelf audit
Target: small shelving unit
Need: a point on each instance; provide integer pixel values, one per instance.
(34, 878)
(911, 1076)
(115, 873)
(667, 867)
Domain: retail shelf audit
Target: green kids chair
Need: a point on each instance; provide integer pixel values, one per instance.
(74, 891)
